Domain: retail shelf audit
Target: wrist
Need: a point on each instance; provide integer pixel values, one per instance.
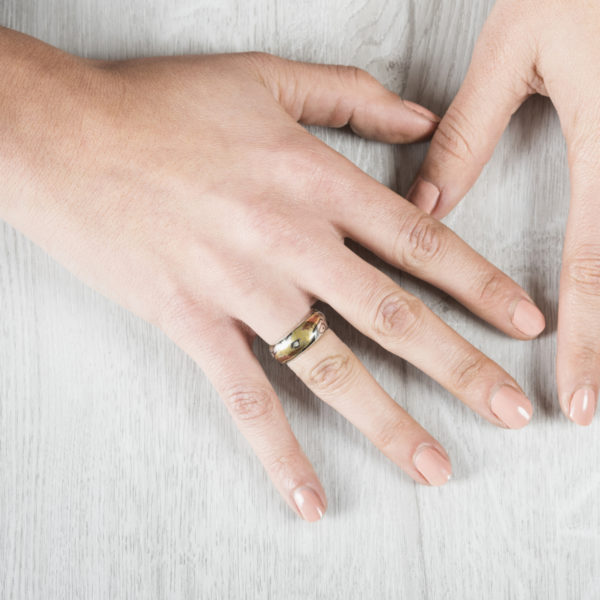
(41, 110)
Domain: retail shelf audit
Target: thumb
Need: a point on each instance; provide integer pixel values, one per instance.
(335, 96)
(501, 76)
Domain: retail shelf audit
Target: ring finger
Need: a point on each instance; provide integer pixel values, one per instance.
(331, 370)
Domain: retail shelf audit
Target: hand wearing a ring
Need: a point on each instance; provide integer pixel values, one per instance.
(186, 189)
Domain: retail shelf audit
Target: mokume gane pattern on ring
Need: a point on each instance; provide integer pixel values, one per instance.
(312, 327)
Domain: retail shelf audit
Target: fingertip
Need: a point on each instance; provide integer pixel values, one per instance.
(582, 406)
(434, 466)
(415, 124)
(424, 195)
(528, 318)
(422, 111)
(310, 504)
(512, 407)
(389, 118)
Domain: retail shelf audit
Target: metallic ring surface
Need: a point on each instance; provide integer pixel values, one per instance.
(306, 333)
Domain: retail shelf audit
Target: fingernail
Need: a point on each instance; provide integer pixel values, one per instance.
(422, 111)
(511, 407)
(528, 318)
(309, 503)
(424, 195)
(582, 406)
(432, 465)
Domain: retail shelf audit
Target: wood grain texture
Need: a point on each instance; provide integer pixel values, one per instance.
(122, 475)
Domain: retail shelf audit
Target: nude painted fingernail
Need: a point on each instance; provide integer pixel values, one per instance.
(511, 407)
(583, 406)
(424, 195)
(421, 111)
(309, 503)
(528, 318)
(432, 465)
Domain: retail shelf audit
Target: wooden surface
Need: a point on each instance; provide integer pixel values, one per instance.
(122, 475)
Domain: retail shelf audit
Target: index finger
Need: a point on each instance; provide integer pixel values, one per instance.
(419, 244)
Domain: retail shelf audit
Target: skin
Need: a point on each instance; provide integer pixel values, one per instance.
(527, 47)
(185, 189)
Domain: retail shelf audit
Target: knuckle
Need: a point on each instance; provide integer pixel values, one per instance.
(173, 312)
(422, 240)
(453, 134)
(333, 374)
(299, 162)
(179, 313)
(583, 270)
(489, 286)
(250, 403)
(398, 315)
(273, 230)
(354, 80)
(284, 468)
(260, 63)
(585, 355)
(354, 75)
(469, 369)
(583, 134)
(313, 165)
(390, 433)
(259, 56)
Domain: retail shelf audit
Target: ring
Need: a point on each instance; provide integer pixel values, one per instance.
(306, 333)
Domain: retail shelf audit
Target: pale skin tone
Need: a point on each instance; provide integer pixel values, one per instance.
(549, 47)
(186, 189)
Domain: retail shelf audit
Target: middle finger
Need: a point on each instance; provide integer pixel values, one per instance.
(404, 236)
(401, 323)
